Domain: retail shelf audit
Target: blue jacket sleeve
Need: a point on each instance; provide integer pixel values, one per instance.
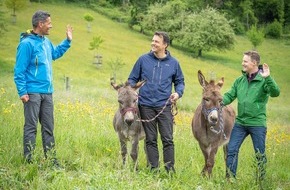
(135, 75)
(23, 57)
(179, 81)
(60, 49)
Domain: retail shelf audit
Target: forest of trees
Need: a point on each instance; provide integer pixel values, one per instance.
(203, 25)
(244, 12)
(199, 25)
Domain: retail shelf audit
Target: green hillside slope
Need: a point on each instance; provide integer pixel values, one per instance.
(87, 146)
(126, 45)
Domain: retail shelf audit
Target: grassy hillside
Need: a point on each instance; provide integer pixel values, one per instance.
(86, 143)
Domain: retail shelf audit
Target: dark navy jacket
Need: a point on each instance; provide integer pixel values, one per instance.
(159, 74)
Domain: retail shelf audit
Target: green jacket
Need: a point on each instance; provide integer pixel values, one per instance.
(252, 98)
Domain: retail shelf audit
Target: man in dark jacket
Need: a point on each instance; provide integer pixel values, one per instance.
(252, 90)
(33, 79)
(161, 71)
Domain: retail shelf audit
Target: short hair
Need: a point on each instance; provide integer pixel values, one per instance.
(254, 55)
(39, 16)
(164, 35)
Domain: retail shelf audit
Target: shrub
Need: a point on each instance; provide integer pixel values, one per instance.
(274, 30)
(255, 36)
(88, 17)
(237, 26)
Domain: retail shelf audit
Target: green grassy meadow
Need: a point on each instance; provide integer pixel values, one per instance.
(88, 147)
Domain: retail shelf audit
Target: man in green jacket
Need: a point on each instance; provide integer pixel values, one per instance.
(252, 90)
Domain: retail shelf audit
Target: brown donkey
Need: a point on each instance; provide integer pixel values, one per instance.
(212, 123)
(126, 120)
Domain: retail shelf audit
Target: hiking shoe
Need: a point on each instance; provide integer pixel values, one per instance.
(28, 160)
(55, 164)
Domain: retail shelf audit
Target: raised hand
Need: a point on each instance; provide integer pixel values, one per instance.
(266, 70)
(69, 31)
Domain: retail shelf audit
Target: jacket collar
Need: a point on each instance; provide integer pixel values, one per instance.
(165, 58)
(258, 76)
(30, 33)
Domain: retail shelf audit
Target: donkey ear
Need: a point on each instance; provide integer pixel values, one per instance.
(201, 79)
(221, 82)
(113, 84)
(116, 87)
(139, 85)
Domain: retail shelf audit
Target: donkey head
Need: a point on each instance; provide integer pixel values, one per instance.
(127, 98)
(211, 100)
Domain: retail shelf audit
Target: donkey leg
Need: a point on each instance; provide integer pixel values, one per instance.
(134, 152)
(205, 153)
(211, 160)
(123, 144)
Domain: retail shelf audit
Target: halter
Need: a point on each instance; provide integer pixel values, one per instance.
(206, 113)
(125, 110)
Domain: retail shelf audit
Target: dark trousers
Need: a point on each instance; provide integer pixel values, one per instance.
(164, 124)
(238, 135)
(38, 108)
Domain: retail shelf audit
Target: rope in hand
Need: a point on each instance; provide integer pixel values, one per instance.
(174, 112)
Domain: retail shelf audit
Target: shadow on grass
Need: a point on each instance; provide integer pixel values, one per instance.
(211, 57)
(221, 59)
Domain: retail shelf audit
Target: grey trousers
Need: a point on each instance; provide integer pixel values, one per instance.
(164, 124)
(38, 108)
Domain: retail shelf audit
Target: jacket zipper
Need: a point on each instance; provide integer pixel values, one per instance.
(36, 66)
(160, 75)
(153, 74)
(248, 88)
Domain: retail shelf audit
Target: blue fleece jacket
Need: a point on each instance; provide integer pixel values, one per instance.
(33, 68)
(159, 74)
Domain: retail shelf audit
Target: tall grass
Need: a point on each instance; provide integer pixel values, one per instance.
(87, 145)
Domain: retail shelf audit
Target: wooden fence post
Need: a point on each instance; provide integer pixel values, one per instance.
(67, 83)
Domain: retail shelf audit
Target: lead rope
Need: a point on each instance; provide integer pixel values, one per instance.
(221, 119)
(174, 112)
(222, 122)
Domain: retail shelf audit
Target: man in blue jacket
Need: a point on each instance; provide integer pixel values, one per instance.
(33, 79)
(161, 71)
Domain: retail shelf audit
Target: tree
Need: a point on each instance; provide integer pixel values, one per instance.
(89, 18)
(269, 10)
(94, 45)
(168, 17)
(248, 14)
(287, 13)
(255, 36)
(138, 9)
(207, 30)
(115, 66)
(15, 5)
(274, 30)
